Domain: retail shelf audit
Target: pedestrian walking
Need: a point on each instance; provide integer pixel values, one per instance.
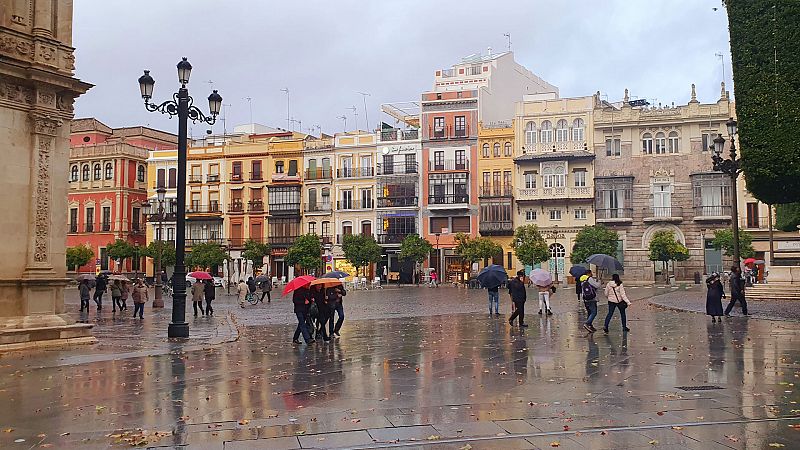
(251, 285)
(578, 288)
(338, 307)
(386, 274)
(737, 291)
(434, 279)
(198, 296)
(544, 299)
(714, 297)
(116, 295)
(140, 297)
(242, 290)
(518, 293)
(617, 299)
(494, 299)
(301, 298)
(125, 291)
(210, 295)
(266, 288)
(85, 291)
(324, 312)
(589, 287)
(99, 289)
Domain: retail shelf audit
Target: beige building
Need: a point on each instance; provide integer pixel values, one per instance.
(554, 171)
(496, 188)
(755, 219)
(318, 211)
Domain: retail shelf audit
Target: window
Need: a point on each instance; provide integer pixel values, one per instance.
(73, 219)
(438, 223)
(312, 227)
(530, 215)
(496, 150)
(292, 168)
(312, 200)
(438, 160)
(278, 167)
(140, 174)
(530, 133)
(507, 149)
(580, 177)
(577, 130)
(170, 234)
(236, 174)
(73, 176)
(662, 200)
(366, 165)
(460, 225)
(326, 195)
(752, 215)
(530, 180)
(461, 126)
(712, 194)
(707, 142)
(347, 199)
(485, 150)
(366, 198)
(255, 167)
(555, 214)
(173, 177)
(447, 188)
(661, 143)
(326, 228)
(674, 142)
(496, 182)
(85, 174)
(461, 160)
(547, 132)
(562, 132)
(347, 228)
(109, 171)
(366, 228)
(438, 127)
(160, 178)
(487, 179)
(507, 179)
(106, 224)
(136, 220)
(554, 176)
(97, 171)
(647, 144)
(580, 214)
(613, 147)
(89, 220)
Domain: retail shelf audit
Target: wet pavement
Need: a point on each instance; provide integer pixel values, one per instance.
(760, 309)
(419, 368)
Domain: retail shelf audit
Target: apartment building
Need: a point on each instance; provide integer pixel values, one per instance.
(496, 187)
(318, 206)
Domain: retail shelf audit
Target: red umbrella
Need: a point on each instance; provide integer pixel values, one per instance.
(301, 281)
(749, 260)
(201, 275)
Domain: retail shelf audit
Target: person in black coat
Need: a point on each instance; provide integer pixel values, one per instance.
(325, 312)
(516, 289)
(99, 289)
(714, 297)
(301, 298)
(210, 294)
(578, 287)
(737, 291)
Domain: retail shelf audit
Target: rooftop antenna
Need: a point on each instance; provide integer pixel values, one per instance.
(250, 104)
(344, 119)
(366, 114)
(355, 114)
(288, 118)
(298, 122)
(225, 107)
(722, 64)
(508, 37)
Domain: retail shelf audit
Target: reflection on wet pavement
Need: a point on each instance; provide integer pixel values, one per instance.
(463, 381)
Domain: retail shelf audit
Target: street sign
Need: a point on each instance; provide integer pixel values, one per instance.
(445, 230)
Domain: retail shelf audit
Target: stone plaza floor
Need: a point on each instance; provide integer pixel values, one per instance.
(414, 368)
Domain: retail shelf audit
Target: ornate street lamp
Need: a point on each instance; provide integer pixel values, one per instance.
(158, 302)
(731, 167)
(181, 106)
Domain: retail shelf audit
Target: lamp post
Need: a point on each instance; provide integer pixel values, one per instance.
(181, 106)
(438, 256)
(731, 167)
(158, 302)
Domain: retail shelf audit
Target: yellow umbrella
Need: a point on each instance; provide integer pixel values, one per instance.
(326, 282)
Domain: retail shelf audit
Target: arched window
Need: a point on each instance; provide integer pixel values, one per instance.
(577, 130)
(485, 150)
(73, 176)
(507, 149)
(496, 150)
(661, 143)
(97, 171)
(674, 142)
(530, 133)
(85, 172)
(547, 132)
(140, 174)
(562, 132)
(312, 227)
(647, 144)
(109, 171)
(557, 250)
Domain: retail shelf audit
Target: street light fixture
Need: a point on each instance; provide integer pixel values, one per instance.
(732, 167)
(181, 106)
(158, 302)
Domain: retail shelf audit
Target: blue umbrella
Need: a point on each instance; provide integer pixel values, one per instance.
(577, 271)
(336, 274)
(492, 276)
(604, 261)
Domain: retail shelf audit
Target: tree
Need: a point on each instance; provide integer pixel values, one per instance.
(79, 256)
(476, 249)
(665, 248)
(529, 245)
(167, 252)
(361, 250)
(765, 50)
(206, 255)
(595, 239)
(306, 252)
(120, 250)
(723, 240)
(256, 251)
(414, 248)
(787, 216)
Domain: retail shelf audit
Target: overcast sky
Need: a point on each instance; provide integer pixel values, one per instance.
(325, 52)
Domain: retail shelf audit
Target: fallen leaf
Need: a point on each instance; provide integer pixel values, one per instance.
(466, 447)
(732, 438)
(555, 444)
(653, 442)
(603, 433)
(244, 422)
(355, 420)
(776, 444)
(300, 433)
(8, 430)
(677, 428)
(19, 440)
(566, 427)
(660, 413)
(433, 437)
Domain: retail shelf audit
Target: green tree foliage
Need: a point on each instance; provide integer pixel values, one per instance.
(256, 251)
(78, 256)
(529, 245)
(414, 248)
(206, 255)
(167, 252)
(664, 247)
(723, 240)
(595, 239)
(767, 95)
(787, 216)
(306, 252)
(360, 250)
(120, 250)
(476, 249)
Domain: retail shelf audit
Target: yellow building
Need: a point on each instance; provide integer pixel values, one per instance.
(495, 189)
(162, 171)
(318, 218)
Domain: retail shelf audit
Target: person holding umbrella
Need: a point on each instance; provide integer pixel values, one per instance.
(577, 272)
(301, 298)
(198, 294)
(492, 277)
(99, 290)
(544, 283)
(210, 294)
(516, 289)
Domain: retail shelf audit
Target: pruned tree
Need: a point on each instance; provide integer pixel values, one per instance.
(167, 250)
(120, 250)
(79, 256)
(256, 251)
(529, 245)
(723, 240)
(361, 250)
(476, 249)
(595, 239)
(665, 248)
(205, 256)
(415, 248)
(306, 252)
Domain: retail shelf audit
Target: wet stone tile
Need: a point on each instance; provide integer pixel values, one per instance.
(343, 439)
(421, 432)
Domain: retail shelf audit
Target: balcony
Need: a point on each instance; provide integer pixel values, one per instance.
(398, 168)
(212, 178)
(505, 190)
(236, 177)
(105, 226)
(170, 216)
(548, 193)
(198, 208)
(257, 176)
(393, 238)
(194, 179)
(326, 240)
(284, 209)
(73, 228)
(663, 214)
(255, 206)
(319, 174)
(496, 228)
(447, 132)
(319, 208)
(397, 202)
(349, 205)
(399, 135)
(236, 207)
(355, 172)
(448, 164)
(281, 241)
(613, 214)
(711, 213)
(89, 228)
(136, 231)
(450, 199)
(194, 241)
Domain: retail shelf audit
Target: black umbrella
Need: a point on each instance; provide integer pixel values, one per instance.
(492, 276)
(261, 278)
(604, 261)
(336, 274)
(577, 271)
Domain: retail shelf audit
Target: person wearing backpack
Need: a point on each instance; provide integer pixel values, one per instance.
(589, 287)
(615, 293)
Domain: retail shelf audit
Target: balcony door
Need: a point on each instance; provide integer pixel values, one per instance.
(312, 199)
(347, 166)
(662, 200)
(347, 199)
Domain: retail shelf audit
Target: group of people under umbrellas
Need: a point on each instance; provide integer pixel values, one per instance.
(121, 289)
(316, 302)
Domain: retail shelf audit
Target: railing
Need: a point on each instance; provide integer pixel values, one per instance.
(393, 238)
(449, 164)
(326, 240)
(105, 226)
(547, 147)
(447, 73)
(319, 174)
(236, 207)
(355, 172)
(713, 211)
(197, 208)
(340, 237)
(167, 217)
(450, 199)
(398, 168)
(318, 207)
(500, 227)
(236, 177)
(89, 228)
(212, 178)
(664, 212)
(73, 228)
(194, 241)
(255, 205)
(282, 240)
(403, 135)
(136, 231)
(284, 208)
(357, 204)
(448, 132)
(613, 213)
(256, 176)
(395, 202)
(554, 192)
(194, 179)
(505, 190)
